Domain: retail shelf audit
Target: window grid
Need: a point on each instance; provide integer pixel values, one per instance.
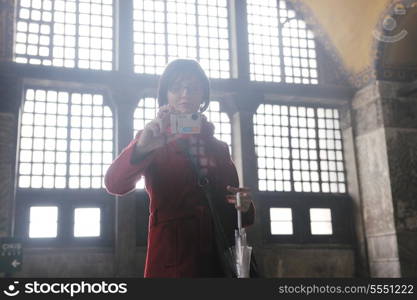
(66, 140)
(281, 48)
(263, 41)
(91, 141)
(304, 149)
(165, 30)
(145, 112)
(299, 149)
(298, 48)
(43, 142)
(331, 151)
(65, 33)
(221, 121)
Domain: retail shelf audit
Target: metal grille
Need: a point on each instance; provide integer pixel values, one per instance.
(263, 41)
(296, 151)
(164, 30)
(145, 112)
(221, 121)
(65, 33)
(331, 151)
(281, 48)
(91, 141)
(66, 140)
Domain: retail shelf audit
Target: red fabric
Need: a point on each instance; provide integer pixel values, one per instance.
(180, 240)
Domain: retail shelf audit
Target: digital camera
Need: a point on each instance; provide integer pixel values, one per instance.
(186, 123)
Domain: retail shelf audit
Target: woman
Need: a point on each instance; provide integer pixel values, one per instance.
(180, 239)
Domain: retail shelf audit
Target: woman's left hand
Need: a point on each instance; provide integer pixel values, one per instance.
(245, 197)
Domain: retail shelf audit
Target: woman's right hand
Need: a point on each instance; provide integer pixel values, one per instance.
(155, 134)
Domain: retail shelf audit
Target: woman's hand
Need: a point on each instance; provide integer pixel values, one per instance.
(155, 133)
(245, 197)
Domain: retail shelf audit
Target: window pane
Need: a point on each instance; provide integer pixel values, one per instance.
(87, 222)
(281, 221)
(281, 228)
(321, 228)
(321, 221)
(280, 214)
(320, 214)
(43, 221)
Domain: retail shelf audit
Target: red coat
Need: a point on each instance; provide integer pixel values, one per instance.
(180, 239)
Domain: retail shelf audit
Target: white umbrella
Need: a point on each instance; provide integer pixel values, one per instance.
(242, 251)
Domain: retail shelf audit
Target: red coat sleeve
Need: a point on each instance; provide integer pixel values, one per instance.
(124, 172)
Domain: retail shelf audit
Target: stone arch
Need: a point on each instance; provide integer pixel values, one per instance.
(396, 45)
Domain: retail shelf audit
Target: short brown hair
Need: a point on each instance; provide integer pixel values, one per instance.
(183, 67)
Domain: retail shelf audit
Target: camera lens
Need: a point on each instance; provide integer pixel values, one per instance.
(194, 116)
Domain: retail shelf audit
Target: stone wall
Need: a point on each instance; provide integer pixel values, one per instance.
(310, 262)
(375, 184)
(400, 116)
(353, 187)
(44, 262)
(385, 128)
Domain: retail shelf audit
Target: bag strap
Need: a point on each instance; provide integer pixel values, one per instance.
(225, 252)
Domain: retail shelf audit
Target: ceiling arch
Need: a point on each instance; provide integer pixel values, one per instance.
(347, 30)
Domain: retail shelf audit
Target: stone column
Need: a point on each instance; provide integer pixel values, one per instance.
(360, 246)
(400, 119)
(385, 133)
(6, 29)
(125, 219)
(7, 159)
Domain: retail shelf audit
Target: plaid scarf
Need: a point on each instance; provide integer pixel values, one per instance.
(196, 145)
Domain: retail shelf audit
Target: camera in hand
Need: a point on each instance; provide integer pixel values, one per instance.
(186, 123)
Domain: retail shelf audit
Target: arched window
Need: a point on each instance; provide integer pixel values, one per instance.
(164, 30)
(70, 33)
(281, 48)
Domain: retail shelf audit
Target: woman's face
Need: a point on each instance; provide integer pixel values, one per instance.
(185, 94)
